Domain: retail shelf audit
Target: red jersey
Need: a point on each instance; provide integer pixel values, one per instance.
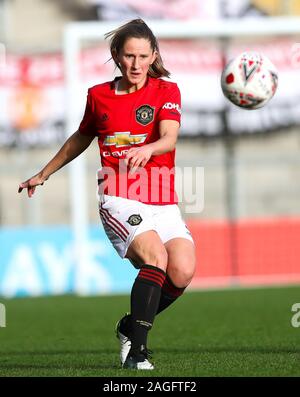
(132, 120)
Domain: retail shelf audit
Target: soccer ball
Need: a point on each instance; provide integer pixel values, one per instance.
(249, 80)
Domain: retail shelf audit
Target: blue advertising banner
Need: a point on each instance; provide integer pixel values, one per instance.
(40, 261)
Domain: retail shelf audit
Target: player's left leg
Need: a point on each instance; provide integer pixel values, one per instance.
(180, 270)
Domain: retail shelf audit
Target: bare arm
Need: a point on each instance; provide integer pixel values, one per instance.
(138, 157)
(73, 147)
(168, 130)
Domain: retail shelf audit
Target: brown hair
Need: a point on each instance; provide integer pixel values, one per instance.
(137, 28)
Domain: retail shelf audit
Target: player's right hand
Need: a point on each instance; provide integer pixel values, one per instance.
(31, 184)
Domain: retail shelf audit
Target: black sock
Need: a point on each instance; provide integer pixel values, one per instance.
(145, 297)
(169, 294)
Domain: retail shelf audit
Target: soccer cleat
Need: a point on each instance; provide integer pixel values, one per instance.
(138, 359)
(125, 342)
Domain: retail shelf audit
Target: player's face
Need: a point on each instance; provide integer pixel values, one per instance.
(135, 58)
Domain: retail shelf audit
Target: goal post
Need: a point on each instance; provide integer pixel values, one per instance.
(78, 32)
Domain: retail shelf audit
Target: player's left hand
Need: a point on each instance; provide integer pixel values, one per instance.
(138, 157)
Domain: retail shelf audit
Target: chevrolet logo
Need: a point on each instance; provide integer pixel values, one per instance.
(120, 139)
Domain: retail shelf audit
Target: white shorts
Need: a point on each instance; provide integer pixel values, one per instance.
(124, 219)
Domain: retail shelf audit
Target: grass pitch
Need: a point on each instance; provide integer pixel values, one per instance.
(213, 333)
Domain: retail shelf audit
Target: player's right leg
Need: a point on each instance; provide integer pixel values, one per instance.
(147, 249)
(130, 228)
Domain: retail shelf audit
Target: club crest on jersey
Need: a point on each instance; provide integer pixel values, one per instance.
(144, 114)
(121, 139)
(134, 219)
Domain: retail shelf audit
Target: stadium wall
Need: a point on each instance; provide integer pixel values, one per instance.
(252, 252)
(41, 261)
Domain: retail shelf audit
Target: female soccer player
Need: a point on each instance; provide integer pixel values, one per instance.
(136, 120)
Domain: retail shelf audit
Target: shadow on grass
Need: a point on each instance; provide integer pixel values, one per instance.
(44, 356)
(59, 367)
(55, 352)
(179, 350)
